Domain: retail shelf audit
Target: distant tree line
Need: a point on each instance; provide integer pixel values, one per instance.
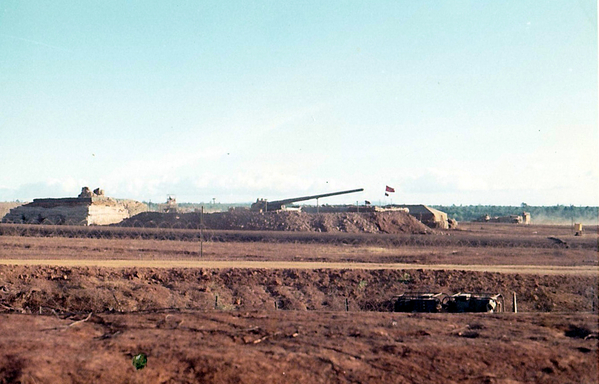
(558, 214)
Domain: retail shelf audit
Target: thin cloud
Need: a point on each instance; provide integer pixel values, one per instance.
(36, 42)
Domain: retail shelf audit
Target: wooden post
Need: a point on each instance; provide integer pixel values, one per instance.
(215, 301)
(515, 303)
(201, 232)
(346, 304)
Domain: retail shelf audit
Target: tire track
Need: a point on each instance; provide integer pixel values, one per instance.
(210, 264)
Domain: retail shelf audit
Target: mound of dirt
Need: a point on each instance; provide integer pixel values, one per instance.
(133, 207)
(34, 289)
(349, 222)
(6, 207)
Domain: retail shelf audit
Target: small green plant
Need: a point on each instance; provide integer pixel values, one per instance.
(406, 278)
(140, 361)
(362, 284)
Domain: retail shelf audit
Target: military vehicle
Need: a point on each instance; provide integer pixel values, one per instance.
(471, 302)
(263, 205)
(418, 302)
(440, 302)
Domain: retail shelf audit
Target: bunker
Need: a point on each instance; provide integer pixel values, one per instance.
(89, 208)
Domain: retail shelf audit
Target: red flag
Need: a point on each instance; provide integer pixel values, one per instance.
(389, 189)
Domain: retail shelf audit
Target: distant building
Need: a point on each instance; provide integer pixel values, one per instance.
(431, 217)
(89, 208)
(170, 206)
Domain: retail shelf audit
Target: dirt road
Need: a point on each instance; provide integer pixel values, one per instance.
(212, 264)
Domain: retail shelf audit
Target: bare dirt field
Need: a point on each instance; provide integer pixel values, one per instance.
(300, 347)
(77, 304)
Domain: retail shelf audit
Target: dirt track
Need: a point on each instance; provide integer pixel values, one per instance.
(212, 264)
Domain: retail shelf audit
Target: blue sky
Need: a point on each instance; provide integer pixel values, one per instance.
(455, 102)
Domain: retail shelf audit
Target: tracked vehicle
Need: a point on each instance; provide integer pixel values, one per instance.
(470, 302)
(419, 302)
(441, 302)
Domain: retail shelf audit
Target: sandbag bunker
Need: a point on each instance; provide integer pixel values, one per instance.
(441, 302)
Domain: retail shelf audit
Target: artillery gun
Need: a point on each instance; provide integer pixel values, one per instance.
(263, 205)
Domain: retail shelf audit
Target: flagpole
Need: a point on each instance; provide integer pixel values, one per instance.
(389, 190)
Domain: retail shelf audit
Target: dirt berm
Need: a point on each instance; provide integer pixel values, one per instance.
(36, 289)
(371, 222)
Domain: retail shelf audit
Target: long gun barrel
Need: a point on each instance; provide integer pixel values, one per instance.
(263, 205)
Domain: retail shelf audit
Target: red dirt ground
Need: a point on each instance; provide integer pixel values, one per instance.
(254, 325)
(373, 222)
(300, 347)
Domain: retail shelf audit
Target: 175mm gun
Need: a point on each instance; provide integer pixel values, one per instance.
(262, 205)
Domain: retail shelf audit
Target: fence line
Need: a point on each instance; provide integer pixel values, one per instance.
(342, 304)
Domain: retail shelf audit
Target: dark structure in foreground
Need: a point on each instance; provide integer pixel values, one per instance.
(440, 302)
